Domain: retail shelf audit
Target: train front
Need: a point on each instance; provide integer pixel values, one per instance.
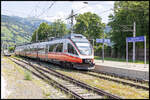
(86, 53)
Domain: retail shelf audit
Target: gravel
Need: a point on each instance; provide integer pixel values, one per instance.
(4, 92)
(25, 89)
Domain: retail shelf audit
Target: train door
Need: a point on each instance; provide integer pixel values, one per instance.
(25, 50)
(46, 52)
(36, 50)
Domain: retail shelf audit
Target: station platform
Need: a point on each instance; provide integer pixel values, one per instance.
(131, 70)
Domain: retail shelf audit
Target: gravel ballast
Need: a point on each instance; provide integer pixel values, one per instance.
(19, 88)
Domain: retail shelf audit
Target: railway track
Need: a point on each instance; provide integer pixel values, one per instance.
(77, 89)
(116, 79)
(129, 82)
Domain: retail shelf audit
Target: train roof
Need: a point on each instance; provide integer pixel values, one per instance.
(72, 36)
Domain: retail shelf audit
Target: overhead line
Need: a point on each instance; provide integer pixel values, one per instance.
(33, 9)
(46, 10)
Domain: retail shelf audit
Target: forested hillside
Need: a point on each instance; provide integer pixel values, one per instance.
(17, 29)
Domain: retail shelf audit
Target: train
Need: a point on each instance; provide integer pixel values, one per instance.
(6, 53)
(72, 50)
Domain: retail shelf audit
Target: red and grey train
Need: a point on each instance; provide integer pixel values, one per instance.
(72, 50)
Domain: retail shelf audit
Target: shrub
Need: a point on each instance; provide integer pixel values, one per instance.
(28, 75)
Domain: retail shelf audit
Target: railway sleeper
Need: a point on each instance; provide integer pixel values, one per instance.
(92, 96)
(79, 91)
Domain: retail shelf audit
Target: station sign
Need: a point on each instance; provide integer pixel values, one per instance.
(135, 39)
(103, 40)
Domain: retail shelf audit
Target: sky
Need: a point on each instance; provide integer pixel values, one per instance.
(52, 10)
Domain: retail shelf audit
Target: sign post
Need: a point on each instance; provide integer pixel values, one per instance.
(126, 51)
(136, 39)
(134, 31)
(145, 49)
(103, 41)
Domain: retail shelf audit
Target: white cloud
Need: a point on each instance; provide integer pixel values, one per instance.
(110, 2)
(80, 7)
(99, 6)
(77, 5)
(60, 15)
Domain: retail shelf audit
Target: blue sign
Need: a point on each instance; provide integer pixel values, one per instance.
(106, 40)
(99, 40)
(103, 40)
(139, 38)
(135, 39)
(130, 39)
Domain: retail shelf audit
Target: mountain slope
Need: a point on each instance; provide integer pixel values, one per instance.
(18, 30)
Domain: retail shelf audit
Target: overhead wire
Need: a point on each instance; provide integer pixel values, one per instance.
(33, 9)
(46, 10)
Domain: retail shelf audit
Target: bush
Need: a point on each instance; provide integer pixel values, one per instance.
(28, 75)
(11, 49)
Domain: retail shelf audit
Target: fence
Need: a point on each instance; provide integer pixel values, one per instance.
(112, 53)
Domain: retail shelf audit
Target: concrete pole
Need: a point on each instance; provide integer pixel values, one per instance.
(126, 51)
(145, 50)
(134, 34)
(72, 21)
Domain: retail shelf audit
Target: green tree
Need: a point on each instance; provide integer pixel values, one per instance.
(89, 24)
(125, 13)
(42, 32)
(59, 28)
(56, 29)
(33, 39)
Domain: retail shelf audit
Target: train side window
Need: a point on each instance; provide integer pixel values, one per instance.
(59, 47)
(51, 47)
(71, 49)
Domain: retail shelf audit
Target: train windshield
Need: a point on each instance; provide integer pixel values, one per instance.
(84, 47)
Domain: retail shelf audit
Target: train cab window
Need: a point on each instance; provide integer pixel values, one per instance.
(71, 49)
(51, 47)
(59, 47)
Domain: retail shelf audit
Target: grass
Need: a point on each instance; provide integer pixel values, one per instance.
(47, 93)
(16, 66)
(28, 76)
(120, 60)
